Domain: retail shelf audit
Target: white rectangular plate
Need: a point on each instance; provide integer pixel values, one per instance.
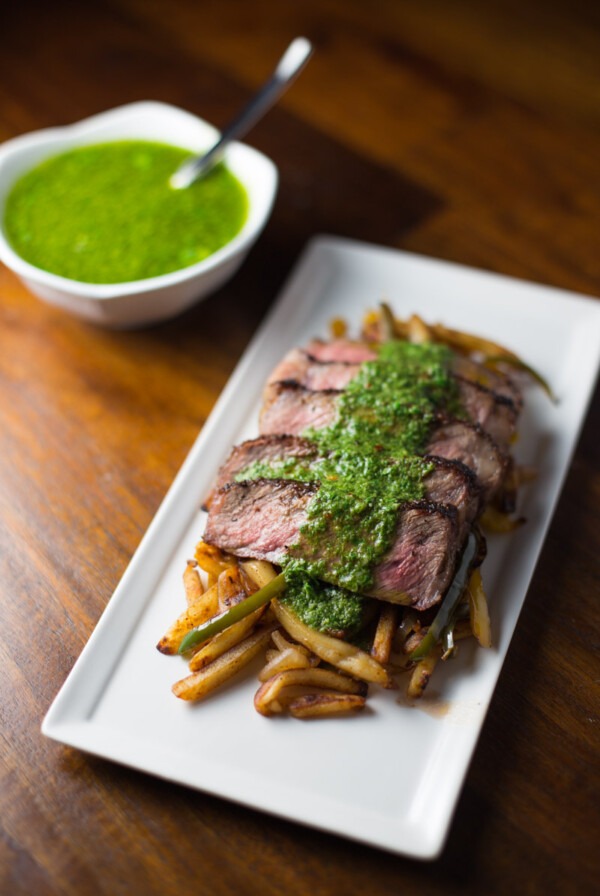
(390, 776)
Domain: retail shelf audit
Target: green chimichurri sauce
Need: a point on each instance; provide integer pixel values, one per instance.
(106, 213)
(369, 464)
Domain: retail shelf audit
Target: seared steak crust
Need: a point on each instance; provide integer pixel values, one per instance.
(264, 449)
(300, 367)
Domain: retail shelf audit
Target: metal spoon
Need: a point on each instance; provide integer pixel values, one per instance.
(290, 65)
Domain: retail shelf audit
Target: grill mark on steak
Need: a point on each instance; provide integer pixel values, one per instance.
(341, 350)
(299, 366)
(262, 519)
(468, 443)
(496, 380)
(496, 414)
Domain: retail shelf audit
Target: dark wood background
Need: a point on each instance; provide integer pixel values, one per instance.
(467, 131)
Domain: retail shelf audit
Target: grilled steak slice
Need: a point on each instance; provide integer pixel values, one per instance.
(291, 409)
(498, 382)
(469, 444)
(262, 450)
(258, 519)
(452, 483)
(262, 519)
(495, 414)
(300, 367)
(341, 350)
(421, 561)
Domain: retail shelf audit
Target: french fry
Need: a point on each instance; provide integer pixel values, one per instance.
(478, 610)
(270, 698)
(222, 642)
(211, 559)
(203, 682)
(260, 571)
(421, 674)
(384, 633)
(338, 653)
(289, 658)
(192, 583)
(202, 609)
(418, 330)
(312, 706)
(231, 588)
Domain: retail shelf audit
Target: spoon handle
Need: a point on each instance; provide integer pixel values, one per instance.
(290, 65)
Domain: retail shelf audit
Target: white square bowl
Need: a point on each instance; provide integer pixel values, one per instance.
(138, 302)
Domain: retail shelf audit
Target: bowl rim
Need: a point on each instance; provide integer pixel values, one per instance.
(69, 136)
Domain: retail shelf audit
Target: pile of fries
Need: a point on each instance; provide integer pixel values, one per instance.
(307, 673)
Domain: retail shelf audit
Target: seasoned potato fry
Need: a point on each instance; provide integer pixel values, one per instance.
(478, 609)
(421, 674)
(289, 658)
(222, 642)
(201, 683)
(283, 644)
(268, 699)
(202, 609)
(260, 571)
(384, 633)
(338, 653)
(313, 706)
(211, 559)
(192, 583)
(418, 330)
(231, 588)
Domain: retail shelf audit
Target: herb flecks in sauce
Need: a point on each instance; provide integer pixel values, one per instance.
(324, 607)
(106, 213)
(369, 465)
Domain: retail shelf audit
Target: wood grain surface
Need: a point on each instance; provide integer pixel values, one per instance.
(466, 131)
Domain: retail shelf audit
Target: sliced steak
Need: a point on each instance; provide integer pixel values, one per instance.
(453, 483)
(300, 367)
(291, 409)
(265, 449)
(469, 444)
(495, 414)
(258, 519)
(498, 382)
(262, 519)
(421, 561)
(341, 350)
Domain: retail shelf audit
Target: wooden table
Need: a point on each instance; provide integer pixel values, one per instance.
(465, 131)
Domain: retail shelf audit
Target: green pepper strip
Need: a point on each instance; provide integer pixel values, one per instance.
(453, 595)
(494, 360)
(238, 611)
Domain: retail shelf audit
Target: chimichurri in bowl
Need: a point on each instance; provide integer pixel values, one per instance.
(89, 222)
(105, 213)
